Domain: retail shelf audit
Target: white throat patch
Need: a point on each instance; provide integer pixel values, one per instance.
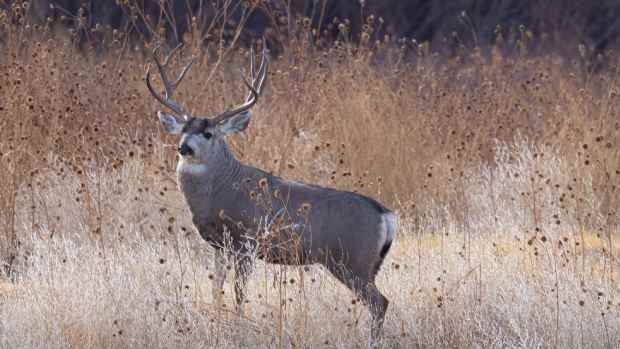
(192, 169)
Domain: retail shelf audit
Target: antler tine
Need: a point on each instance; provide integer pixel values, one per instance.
(255, 88)
(168, 86)
(252, 63)
(252, 71)
(170, 54)
(159, 98)
(257, 82)
(249, 102)
(176, 83)
(263, 67)
(253, 93)
(162, 66)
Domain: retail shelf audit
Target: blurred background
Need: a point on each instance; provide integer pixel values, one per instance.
(491, 127)
(444, 24)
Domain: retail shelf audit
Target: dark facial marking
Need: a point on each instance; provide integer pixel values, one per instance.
(196, 126)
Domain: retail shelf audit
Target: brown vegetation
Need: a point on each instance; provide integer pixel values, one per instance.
(505, 172)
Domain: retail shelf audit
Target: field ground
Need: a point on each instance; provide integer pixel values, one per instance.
(496, 293)
(448, 287)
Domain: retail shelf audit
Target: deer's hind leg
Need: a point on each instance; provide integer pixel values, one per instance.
(378, 304)
(362, 283)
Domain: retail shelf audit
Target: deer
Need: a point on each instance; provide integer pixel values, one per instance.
(348, 233)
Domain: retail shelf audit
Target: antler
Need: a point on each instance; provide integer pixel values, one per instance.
(255, 87)
(168, 86)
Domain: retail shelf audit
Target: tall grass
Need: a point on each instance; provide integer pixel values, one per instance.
(505, 172)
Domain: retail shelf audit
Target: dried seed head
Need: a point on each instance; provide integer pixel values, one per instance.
(262, 183)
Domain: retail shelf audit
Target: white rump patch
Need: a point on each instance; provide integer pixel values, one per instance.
(389, 223)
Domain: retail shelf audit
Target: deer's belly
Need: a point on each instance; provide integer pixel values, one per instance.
(282, 252)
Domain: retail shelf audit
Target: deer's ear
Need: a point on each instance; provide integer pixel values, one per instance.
(170, 123)
(235, 123)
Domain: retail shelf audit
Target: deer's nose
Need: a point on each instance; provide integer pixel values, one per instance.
(184, 150)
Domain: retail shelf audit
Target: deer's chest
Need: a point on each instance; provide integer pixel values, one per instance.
(193, 182)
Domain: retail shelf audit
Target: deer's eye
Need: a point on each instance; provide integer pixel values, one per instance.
(208, 135)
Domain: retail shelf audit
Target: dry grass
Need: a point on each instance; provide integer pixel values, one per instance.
(505, 173)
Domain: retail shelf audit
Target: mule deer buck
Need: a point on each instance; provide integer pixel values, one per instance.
(350, 234)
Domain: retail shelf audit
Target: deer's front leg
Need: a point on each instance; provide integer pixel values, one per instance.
(219, 264)
(243, 269)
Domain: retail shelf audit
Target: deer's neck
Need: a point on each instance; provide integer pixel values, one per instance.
(197, 180)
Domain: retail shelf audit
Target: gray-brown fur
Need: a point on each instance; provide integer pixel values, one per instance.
(281, 221)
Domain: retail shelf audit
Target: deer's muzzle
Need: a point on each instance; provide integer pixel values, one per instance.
(185, 149)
